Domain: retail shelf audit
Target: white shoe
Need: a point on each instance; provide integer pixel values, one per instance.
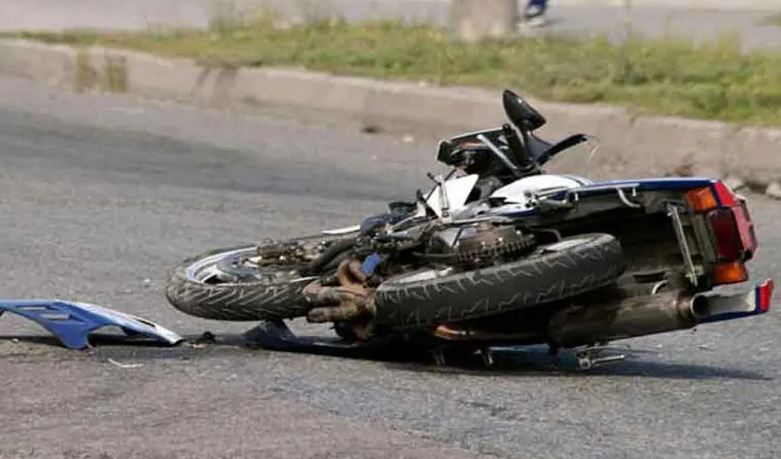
(534, 16)
(527, 25)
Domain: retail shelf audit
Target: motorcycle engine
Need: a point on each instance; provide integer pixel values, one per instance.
(481, 244)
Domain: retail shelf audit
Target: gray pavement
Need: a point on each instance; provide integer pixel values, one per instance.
(752, 23)
(102, 194)
(750, 29)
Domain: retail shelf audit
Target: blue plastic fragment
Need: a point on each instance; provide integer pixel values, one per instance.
(370, 264)
(72, 322)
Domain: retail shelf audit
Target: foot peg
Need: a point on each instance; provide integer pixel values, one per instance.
(596, 357)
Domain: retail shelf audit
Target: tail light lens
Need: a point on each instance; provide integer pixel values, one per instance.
(702, 199)
(712, 197)
(726, 196)
(729, 273)
(730, 224)
(725, 231)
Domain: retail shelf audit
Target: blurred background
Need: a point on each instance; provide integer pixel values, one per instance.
(755, 22)
(713, 59)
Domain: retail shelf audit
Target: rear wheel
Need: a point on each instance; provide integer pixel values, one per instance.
(552, 272)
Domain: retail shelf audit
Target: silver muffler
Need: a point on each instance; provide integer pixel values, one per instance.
(625, 318)
(640, 315)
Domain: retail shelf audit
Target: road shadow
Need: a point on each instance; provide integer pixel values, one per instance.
(525, 361)
(541, 364)
(533, 361)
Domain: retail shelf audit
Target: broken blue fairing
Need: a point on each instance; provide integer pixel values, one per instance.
(72, 322)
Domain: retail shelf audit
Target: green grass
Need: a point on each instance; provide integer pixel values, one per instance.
(666, 76)
(774, 20)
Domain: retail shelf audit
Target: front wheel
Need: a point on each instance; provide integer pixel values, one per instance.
(223, 285)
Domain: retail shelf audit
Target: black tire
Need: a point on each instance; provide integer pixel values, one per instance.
(241, 301)
(570, 267)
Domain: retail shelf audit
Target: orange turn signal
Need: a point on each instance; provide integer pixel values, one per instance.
(702, 199)
(729, 273)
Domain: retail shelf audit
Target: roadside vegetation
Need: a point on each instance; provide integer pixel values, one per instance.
(774, 20)
(665, 76)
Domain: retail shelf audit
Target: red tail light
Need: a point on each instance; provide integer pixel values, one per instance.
(729, 246)
(726, 196)
(734, 240)
(719, 195)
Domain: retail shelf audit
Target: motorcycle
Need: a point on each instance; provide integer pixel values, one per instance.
(499, 253)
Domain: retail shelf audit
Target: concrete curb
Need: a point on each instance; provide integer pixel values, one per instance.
(632, 145)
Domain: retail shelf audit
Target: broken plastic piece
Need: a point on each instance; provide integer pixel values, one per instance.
(72, 322)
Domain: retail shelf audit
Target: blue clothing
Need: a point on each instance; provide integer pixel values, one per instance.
(543, 4)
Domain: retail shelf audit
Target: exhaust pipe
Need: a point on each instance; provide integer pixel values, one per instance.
(625, 318)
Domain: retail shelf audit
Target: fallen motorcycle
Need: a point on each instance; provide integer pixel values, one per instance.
(499, 253)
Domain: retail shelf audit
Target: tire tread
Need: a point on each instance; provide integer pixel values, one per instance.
(531, 281)
(250, 301)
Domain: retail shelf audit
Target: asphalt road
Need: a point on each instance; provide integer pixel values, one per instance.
(100, 195)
